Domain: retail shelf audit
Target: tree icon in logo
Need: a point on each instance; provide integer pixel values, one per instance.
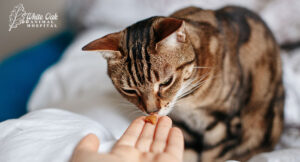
(16, 16)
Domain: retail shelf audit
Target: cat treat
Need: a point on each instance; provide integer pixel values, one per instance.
(151, 119)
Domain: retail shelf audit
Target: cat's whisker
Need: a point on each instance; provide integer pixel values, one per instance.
(127, 103)
(135, 112)
(186, 90)
(189, 84)
(120, 101)
(132, 110)
(191, 81)
(124, 104)
(190, 88)
(202, 67)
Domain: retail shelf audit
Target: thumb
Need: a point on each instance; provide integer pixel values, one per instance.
(89, 143)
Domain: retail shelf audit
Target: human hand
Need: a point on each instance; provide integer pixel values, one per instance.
(141, 142)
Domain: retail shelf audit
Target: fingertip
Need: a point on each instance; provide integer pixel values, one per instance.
(91, 135)
(176, 129)
(89, 142)
(92, 138)
(165, 119)
(133, 132)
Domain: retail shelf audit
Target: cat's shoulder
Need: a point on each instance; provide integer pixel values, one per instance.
(236, 13)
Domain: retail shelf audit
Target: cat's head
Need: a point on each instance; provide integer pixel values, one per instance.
(149, 62)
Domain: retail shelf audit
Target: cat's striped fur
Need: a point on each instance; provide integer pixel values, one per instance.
(216, 73)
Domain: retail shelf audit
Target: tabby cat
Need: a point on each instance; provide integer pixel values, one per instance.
(216, 73)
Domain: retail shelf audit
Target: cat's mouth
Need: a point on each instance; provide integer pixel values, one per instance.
(168, 108)
(165, 110)
(161, 112)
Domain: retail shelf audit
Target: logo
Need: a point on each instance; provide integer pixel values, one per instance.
(19, 16)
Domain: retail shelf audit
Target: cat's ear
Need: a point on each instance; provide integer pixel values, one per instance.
(108, 45)
(170, 31)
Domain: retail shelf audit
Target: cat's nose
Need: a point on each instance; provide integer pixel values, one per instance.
(153, 110)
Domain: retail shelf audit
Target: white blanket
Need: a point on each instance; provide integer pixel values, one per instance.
(47, 135)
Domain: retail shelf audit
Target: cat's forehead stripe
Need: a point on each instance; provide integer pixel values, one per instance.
(128, 60)
(133, 41)
(139, 38)
(137, 43)
(146, 50)
(128, 82)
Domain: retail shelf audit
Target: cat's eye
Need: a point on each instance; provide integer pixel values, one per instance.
(167, 82)
(129, 91)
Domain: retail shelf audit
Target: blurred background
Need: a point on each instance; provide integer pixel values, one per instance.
(26, 53)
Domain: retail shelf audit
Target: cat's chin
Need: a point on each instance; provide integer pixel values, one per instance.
(165, 111)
